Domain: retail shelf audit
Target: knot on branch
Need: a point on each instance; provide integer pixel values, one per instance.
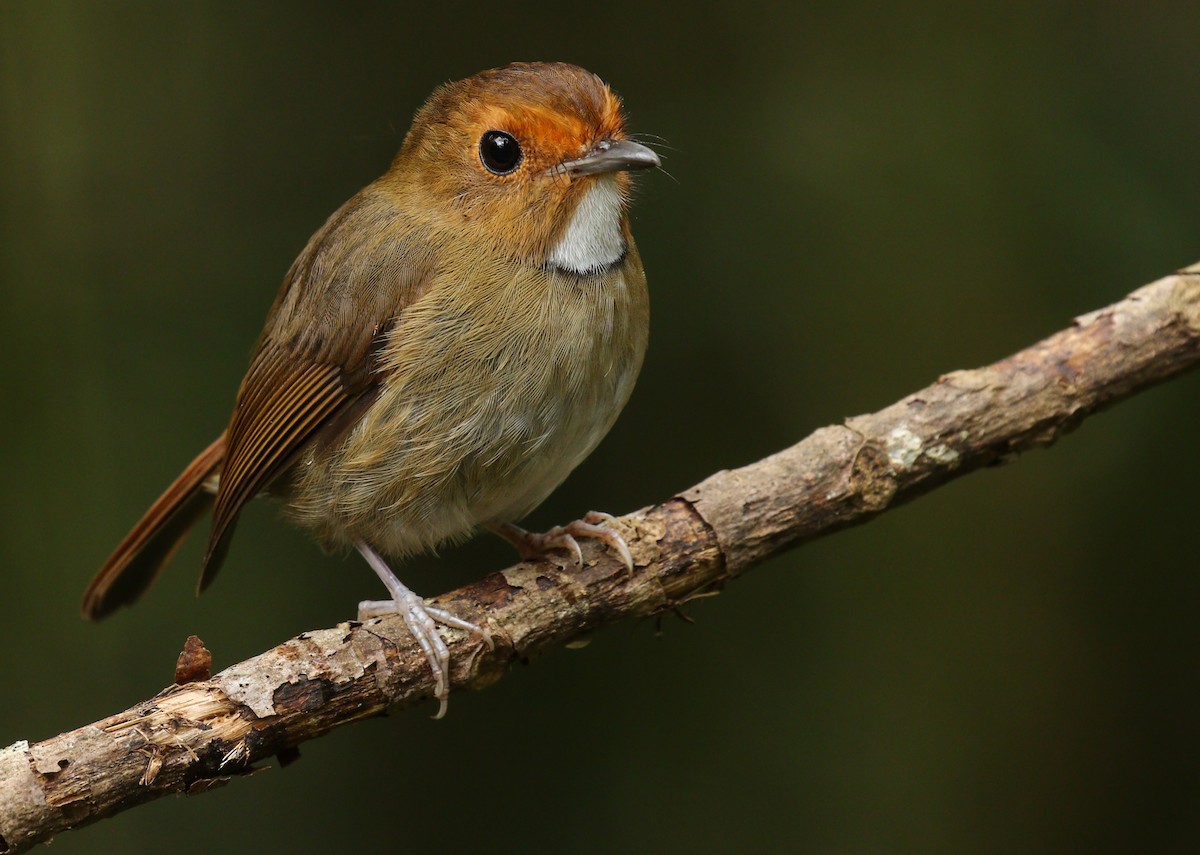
(872, 482)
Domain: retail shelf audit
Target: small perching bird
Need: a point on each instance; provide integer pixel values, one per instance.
(451, 343)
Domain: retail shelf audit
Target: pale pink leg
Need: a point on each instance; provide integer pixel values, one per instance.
(421, 621)
(531, 545)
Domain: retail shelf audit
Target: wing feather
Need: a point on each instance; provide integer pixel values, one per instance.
(313, 372)
(285, 411)
(316, 358)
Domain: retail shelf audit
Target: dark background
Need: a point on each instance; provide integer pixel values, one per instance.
(864, 198)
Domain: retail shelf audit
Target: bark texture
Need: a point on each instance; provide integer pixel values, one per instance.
(205, 730)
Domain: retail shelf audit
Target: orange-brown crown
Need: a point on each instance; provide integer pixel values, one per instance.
(556, 112)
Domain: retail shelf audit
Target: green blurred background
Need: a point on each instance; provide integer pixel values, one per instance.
(864, 197)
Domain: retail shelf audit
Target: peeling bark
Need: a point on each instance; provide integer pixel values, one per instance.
(203, 731)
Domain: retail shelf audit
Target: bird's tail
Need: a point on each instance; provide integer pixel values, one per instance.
(137, 560)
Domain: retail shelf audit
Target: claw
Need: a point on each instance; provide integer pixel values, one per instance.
(532, 546)
(421, 621)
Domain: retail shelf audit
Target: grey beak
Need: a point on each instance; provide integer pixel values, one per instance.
(611, 156)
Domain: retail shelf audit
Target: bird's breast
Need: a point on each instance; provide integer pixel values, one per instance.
(490, 395)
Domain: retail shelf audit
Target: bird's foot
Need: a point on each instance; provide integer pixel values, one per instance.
(532, 546)
(421, 621)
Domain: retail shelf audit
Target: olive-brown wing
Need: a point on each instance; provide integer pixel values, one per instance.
(315, 364)
(285, 403)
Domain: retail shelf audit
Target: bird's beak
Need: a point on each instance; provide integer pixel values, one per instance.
(611, 156)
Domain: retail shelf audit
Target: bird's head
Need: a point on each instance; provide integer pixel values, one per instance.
(531, 160)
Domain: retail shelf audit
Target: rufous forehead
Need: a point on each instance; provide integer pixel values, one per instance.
(554, 131)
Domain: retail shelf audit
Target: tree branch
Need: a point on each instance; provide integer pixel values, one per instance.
(204, 731)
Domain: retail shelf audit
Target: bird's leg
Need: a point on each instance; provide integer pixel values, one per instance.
(532, 546)
(421, 621)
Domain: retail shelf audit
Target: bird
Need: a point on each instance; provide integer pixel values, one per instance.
(445, 350)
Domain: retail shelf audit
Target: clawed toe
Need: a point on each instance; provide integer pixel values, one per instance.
(447, 619)
(594, 525)
(421, 621)
(532, 546)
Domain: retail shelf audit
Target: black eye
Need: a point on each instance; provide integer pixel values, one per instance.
(500, 152)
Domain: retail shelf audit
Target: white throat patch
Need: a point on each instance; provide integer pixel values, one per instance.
(593, 239)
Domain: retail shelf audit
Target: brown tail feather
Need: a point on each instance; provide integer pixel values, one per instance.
(137, 560)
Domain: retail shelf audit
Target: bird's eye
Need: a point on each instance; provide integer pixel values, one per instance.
(500, 152)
